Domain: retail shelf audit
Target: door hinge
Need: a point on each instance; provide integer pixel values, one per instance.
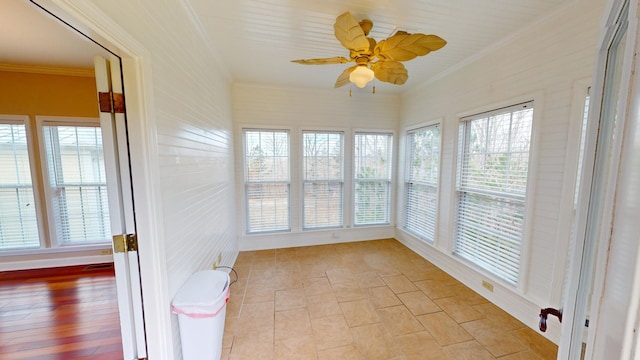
(125, 242)
(111, 102)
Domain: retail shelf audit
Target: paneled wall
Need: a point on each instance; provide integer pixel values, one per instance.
(300, 109)
(547, 62)
(191, 103)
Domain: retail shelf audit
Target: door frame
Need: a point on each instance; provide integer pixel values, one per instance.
(141, 125)
(596, 248)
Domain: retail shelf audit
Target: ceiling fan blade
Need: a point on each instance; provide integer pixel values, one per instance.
(343, 79)
(390, 71)
(323, 61)
(350, 34)
(403, 46)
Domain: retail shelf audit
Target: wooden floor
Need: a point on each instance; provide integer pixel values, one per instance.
(62, 313)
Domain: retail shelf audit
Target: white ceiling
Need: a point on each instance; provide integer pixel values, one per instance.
(258, 38)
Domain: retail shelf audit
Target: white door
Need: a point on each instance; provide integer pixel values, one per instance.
(601, 307)
(125, 254)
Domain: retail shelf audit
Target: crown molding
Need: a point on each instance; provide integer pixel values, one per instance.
(49, 70)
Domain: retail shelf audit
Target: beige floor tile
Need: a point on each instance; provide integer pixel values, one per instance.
(312, 270)
(339, 275)
(296, 348)
(341, 353)
(420, 345)
(374, 342)
(436, 290)
(418, 303)
(286, 282)
(444, 329)
(457, 310)
(310, 320)
(537, 344)
(292, 323)
(323, 305)
(257, 342)
(290, 299)
(382, 297)
(369, 279)
(259, 293)
(525, 355)
(470, 350)
(255, 316)
(398, 320)
(317, 286)
(359, 312)
(399, 284)
(497, 341)
(331, 332)
(348, 291)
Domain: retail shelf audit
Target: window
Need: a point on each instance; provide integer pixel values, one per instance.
(322, 157)
(18, 221)
(77, 183)
(73, 178)
(493, 159)
(421, 181)
(267, 180)
(372, 183)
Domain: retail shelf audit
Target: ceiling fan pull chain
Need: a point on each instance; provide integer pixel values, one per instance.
(350, 93)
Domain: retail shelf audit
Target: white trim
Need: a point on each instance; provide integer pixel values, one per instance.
(566, 218)
(36, 182)
(592, 247)
(144, 161)
(314, 237)
(401, 176)
(20, 264)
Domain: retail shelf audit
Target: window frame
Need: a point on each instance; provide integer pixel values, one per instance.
(36, 185)
(535, 101)
(405, 180)
(245, 181)
(389, 182)
(41, 122)
(342, 182)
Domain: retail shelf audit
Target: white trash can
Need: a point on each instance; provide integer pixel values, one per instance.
(201, 305)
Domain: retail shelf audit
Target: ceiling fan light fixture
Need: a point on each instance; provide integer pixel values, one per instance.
(361, 76)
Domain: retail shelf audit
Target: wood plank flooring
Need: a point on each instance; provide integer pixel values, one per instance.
(61, 313)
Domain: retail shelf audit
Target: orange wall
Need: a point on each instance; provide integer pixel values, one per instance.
(42, 94)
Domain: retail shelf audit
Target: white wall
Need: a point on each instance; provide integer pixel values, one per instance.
(191, 103)
(543, 62)
(309, 109)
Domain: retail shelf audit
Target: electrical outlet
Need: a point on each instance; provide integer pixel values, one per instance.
(215, 265)
(487, 285)
(106, 252)
(220, 258)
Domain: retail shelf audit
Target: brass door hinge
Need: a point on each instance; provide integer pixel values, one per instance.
(125, 242)
(110, 102)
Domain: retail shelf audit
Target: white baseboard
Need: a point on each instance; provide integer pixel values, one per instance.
(503, 296)
(53, 260)
(316, 237)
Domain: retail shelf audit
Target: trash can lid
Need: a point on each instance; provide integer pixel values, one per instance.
(204, 292)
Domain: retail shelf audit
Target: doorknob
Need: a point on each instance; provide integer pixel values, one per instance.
(543, 317)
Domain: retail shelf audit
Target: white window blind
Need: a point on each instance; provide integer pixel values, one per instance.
(18, 222)
(322, 179)
(372, 163)
(421, 181)
(78, 189)
(267, 180)
(493, 159)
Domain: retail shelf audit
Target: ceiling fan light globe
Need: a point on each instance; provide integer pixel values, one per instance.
(361, 76)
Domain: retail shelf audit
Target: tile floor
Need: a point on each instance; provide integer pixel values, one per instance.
(366, 300)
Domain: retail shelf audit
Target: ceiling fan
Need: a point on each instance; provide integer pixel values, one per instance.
(381, 60)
